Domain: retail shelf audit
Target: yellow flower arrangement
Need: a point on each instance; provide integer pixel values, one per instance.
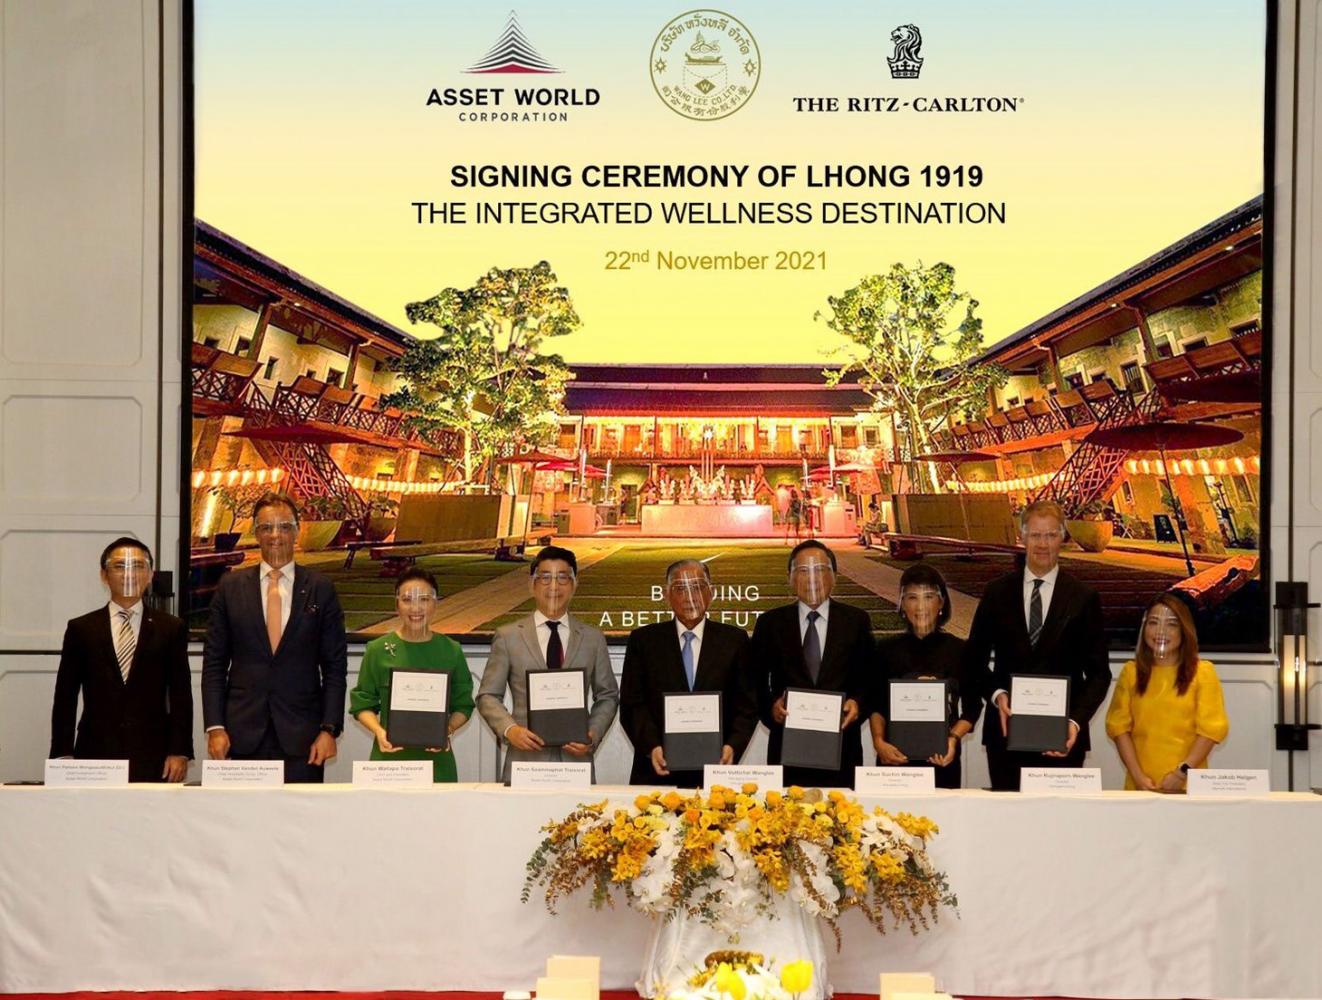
(696, 853)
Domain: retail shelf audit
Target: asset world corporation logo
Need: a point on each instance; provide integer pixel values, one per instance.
(705, 65)
(514, 54)
(906, 64)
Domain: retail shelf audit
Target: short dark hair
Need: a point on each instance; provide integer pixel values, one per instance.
(811, 543)
(925, 575)
(417, 573)
(553, 552)
(273, 498)
(120, 543)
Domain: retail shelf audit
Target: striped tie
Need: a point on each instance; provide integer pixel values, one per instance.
(1035, 613)
(125, 643)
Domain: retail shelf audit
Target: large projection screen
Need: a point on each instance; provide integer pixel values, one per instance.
(656, 283)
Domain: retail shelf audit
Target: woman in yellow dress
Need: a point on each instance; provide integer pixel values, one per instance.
(1167, 712)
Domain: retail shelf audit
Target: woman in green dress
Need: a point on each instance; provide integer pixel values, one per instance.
(412, 647)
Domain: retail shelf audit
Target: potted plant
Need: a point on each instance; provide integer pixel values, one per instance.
(382, 513)
(320, 522)
(235, 502)
(1091, 526)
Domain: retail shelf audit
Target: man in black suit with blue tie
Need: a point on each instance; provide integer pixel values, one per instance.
(130, 663)
(1038, 620)
(275, 662)
(815, 643)
(690, 653)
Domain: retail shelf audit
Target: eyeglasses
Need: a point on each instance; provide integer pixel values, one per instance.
(124, 567)
(282, 527)
(545, 578)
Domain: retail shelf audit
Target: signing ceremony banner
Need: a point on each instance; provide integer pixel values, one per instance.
(654, 282)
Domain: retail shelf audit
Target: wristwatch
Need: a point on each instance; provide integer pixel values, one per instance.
(334, 731)
(1184, 768)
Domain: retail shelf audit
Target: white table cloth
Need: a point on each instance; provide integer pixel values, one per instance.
(336, 888)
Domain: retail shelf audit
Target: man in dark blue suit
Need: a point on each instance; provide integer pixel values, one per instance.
(275, 661)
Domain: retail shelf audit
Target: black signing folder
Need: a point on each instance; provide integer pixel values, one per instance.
(812, 729)
(1039, 707)
(693, 736)
(557, 706)
(919, 725)
(419, 703)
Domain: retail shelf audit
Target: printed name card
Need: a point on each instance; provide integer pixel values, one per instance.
(921, 996)
(243, 773)
(880, 780)
(86, 773)
(1075, 780)
(554, 988)
(1214, 783)
(392, 773)
(736, 775)
(550, 774)
(905, 982)
(580, 967)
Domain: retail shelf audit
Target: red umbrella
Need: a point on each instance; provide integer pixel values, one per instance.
(565, 465)
(1163, 436)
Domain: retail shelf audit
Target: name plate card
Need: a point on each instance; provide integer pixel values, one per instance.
(243, 773)
(1216, 783)
(550, 774)
(392, 773)
(1060, 779)
(581, 967)
(881, 780)
(86, 773)
(905, 982)
(736, 775)
(556, 988)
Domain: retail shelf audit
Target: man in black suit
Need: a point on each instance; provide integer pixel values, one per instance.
(1038, 620)
(131, 666)
(813, 643)
(275, 661)
(691, 653)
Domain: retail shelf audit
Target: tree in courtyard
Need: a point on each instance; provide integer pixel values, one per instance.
(484, 374)
(913, 342)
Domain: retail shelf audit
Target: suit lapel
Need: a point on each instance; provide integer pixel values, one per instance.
(798, 674)
(707, 656)
(1019, 616)
(298, 602)
(831, 648)
(572, 628)
(1058, 612)
(145, 635)
(107, 633)
(256, 610)
(528, 629)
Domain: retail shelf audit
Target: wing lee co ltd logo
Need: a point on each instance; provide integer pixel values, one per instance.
(513, 54)
(705, 65)
(906, 64)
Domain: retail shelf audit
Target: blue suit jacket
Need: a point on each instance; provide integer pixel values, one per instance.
(298, 687)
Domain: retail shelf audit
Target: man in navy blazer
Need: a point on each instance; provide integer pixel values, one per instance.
(130, 664)
(275, 662)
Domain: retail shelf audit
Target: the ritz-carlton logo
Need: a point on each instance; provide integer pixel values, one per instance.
(906, 64)
(513, 53)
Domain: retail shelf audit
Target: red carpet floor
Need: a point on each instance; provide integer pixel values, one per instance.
(396, 995)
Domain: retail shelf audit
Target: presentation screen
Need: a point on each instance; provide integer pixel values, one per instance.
(656, 284)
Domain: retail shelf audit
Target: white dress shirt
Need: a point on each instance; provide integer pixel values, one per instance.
(544, 633)
(135, 620)
(1048, 588)
(286, 587)
(822, 609)
(697, 630)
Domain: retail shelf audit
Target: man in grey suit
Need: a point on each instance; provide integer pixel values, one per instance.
(547, 639)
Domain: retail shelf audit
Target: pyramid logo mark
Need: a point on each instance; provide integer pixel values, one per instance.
(512, 53)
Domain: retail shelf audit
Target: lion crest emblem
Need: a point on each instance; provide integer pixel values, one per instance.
(906, 64)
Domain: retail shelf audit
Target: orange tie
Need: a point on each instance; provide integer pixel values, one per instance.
(273, 626)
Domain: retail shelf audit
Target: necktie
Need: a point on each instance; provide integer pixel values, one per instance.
(812, 647)
(687, 653)
(1035, 613)
(555, 653)
(125, 643)
(273, 624)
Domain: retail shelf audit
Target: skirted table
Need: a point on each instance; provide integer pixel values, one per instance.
(336, 888)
